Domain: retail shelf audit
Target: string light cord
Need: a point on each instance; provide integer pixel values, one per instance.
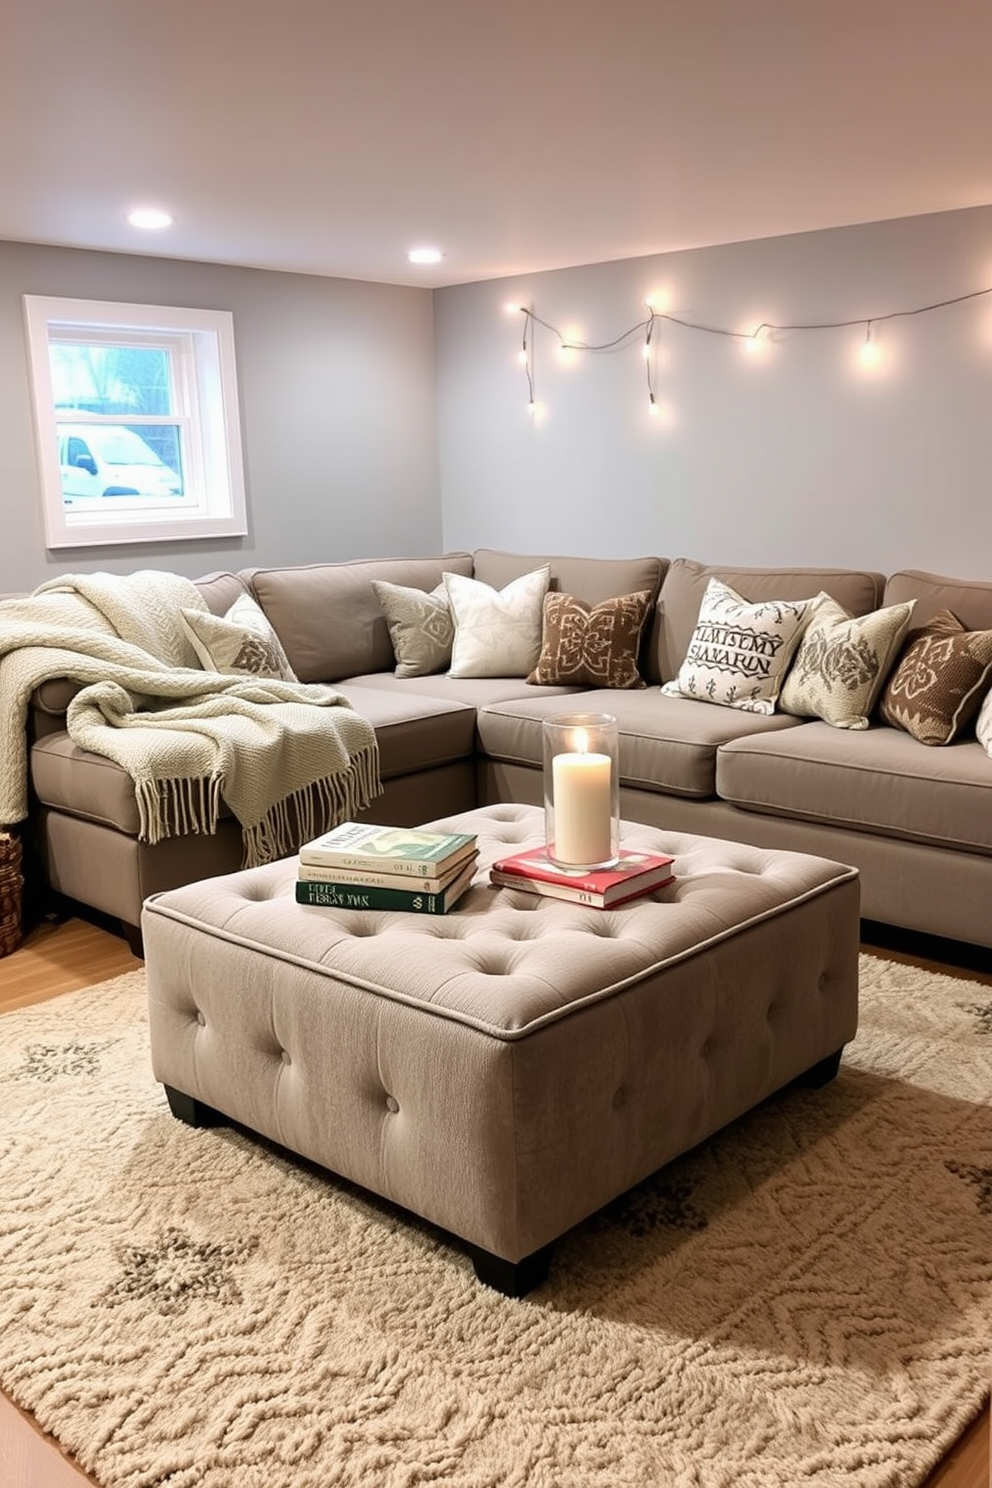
(644, 326)
(751, 340)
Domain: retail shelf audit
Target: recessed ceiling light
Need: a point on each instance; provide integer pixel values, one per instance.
(425, 255)
(150, 217)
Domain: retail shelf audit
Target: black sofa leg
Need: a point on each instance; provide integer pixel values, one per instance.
(822, 1072)
(135, 943)
(193, 1112)
(512, 1278)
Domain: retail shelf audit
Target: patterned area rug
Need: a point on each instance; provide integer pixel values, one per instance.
(805, 1299)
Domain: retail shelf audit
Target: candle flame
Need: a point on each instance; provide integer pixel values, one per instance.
(581, 741)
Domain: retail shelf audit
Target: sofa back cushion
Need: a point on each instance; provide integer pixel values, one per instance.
(969, 599)
(221, 590)
(685, 584)
(327, 615)
(590, 579)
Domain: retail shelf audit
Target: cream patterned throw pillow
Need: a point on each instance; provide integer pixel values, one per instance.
(842, 663)
(241, 642)
(983, 725)
(497, 631)
(739, 652)
(420, 627)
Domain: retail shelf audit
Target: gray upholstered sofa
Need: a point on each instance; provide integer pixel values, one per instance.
(916, 821)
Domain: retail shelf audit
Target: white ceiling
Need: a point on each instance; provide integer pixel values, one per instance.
(329, 136)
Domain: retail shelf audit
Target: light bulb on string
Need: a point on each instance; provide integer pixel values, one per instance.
(757, 343)
(869, 352)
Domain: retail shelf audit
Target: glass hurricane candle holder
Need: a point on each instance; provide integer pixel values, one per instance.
(581, 791)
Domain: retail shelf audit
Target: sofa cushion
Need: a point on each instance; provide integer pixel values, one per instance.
(497, 631)
(842, 663)
(739, 652)
(590, 579)
(969, 599)
(668, 745)
(420, 627)
(220, 589)
(881, 781)
(327, 616)
(474, 692)
(685, 584)
(86, 785)
(238, 643)
(940, 679)
(413, 733)
(591, 645)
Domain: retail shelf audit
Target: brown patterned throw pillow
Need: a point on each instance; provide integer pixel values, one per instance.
(591, 646)
(940, 680)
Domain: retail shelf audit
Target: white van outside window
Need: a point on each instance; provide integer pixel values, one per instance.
(99, 461)
(136, 420)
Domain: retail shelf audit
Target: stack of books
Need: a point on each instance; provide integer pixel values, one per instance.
(635, 875)
(360, 866)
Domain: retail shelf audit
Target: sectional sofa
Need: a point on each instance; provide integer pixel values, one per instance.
(915, 820)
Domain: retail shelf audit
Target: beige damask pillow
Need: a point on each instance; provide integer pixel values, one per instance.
(420, 627)
(497, 631)
(239, 643)
(983, 725)
(591, 645)
(739, 651)
(842, 663)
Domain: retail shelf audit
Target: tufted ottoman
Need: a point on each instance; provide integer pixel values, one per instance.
(506, 1069)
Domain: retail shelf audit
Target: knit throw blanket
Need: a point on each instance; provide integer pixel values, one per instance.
(288, 759)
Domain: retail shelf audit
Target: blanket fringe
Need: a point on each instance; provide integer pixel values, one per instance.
(177, 807)
(180, 807)
(316, 808)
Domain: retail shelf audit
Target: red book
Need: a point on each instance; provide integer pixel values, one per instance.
(636, 873)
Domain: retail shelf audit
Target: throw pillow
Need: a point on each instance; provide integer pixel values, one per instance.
(591, 645)
(497, 631)
(739, 652)
(241, 642)
(842, 663)
(940, 679)
(420, 627)
(983, 726)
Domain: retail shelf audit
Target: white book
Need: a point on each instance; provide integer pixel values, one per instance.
(372, 878)
(416, 852)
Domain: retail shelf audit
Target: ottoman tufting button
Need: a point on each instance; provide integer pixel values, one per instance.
(284, 1056)
(201, 1017)
(392, 1104)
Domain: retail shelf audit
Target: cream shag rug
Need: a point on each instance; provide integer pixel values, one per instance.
(805, 1299)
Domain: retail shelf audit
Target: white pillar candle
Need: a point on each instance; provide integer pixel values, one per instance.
(582, 799)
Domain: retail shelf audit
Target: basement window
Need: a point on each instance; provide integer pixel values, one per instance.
(136, 422)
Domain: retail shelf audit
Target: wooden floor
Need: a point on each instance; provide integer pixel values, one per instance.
(57, 959)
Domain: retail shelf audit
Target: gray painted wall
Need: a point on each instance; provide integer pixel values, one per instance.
(337, 403)
(793, 457)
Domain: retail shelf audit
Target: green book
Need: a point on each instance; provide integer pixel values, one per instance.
(368, 896)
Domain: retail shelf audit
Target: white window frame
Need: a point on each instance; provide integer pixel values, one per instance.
(201, 347)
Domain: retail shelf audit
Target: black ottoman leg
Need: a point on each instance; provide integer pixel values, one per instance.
(187, 1108)
(512, 1278)
(822, 1072)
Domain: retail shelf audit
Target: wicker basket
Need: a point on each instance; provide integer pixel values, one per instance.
(11, 885)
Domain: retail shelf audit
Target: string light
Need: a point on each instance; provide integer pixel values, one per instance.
(652, 400)
(753, 342)
(869, 352)
(525, 355)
